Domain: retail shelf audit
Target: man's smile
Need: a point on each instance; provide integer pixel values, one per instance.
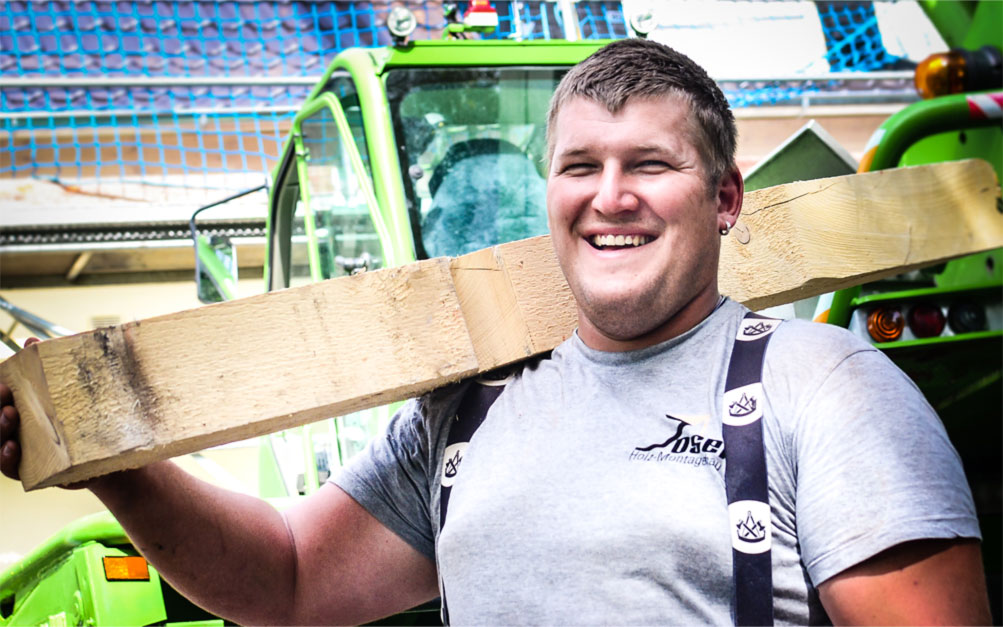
(603, 242)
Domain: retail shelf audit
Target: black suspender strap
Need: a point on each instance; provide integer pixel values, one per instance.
(477, 400)
(745, 476)
(474, 406)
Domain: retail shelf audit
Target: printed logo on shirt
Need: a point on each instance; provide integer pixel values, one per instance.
(682, 447)
(452, 457)
(750, 526)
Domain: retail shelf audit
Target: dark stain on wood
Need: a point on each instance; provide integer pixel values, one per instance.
(114, 369)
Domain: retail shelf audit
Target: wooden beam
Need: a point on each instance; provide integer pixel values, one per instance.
(121, 397)
(811, 237)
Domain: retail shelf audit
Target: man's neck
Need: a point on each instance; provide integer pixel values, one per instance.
(692, 314)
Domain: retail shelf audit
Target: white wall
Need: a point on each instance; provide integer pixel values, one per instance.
(76, 308)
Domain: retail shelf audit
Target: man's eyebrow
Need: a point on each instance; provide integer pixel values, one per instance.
(649, 148)
(574, 152)
(577, 152)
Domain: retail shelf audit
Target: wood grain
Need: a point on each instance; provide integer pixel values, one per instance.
(121, 397)
(801, 239)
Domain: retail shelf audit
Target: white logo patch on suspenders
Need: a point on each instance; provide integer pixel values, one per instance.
(751, 526)
(452, 457)
(744, 405)
(753, 329)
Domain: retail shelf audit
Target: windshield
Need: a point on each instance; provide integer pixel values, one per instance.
(472, 151)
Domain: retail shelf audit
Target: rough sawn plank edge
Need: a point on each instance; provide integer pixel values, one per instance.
(125, 396)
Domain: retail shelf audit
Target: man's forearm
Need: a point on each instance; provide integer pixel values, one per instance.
(229, 553)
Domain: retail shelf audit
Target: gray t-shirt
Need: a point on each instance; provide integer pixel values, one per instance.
(575, 504)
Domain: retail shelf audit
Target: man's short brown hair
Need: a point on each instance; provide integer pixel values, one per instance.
(640, 68)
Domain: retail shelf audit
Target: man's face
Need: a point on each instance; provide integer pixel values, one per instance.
(632, 220)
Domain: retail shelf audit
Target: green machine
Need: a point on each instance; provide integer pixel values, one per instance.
(944, 325)
(430, 148)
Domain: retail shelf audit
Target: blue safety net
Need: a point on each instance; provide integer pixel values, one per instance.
(191, 135)
(853, 40)
(184, 134)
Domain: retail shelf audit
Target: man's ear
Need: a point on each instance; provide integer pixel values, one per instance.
(730, 192)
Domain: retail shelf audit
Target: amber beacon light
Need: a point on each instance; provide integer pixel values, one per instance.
(959, 71)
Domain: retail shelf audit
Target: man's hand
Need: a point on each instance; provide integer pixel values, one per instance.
(10, 424)
(925, 582)
(10, 448)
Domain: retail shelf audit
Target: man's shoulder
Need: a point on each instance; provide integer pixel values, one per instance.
(803, 357)
(814, 343)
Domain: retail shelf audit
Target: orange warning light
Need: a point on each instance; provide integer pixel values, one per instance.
(127, 568)
(885, 325)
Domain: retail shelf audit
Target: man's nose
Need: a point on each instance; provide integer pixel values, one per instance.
(615, 193)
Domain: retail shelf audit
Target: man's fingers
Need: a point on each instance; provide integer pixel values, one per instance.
(10, 457)
(10, 450)
(9, 423)
(30, 341)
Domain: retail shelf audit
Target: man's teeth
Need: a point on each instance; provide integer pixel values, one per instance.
(619, 240)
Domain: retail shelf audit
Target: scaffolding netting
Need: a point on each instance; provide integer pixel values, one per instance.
(223, 136)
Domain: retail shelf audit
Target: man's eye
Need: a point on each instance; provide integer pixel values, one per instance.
(653, 165)
(577, 168)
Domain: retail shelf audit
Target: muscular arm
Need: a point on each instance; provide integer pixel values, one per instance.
(236, 555)
(326, 560)
(925, 582)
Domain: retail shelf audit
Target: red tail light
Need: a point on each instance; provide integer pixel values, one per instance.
(926, 320)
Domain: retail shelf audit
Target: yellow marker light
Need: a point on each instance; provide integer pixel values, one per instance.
(885, 325)
(128, 568)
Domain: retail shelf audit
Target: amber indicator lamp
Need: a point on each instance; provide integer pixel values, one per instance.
(126, 568)
(885, 324)
(959, 71)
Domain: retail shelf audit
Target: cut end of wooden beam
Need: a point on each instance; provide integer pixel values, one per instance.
(40, 431)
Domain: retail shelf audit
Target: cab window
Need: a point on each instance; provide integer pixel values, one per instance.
(472, 147)
(338, 200)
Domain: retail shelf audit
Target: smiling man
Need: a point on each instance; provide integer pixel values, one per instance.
(655, 469)
(597, 487)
